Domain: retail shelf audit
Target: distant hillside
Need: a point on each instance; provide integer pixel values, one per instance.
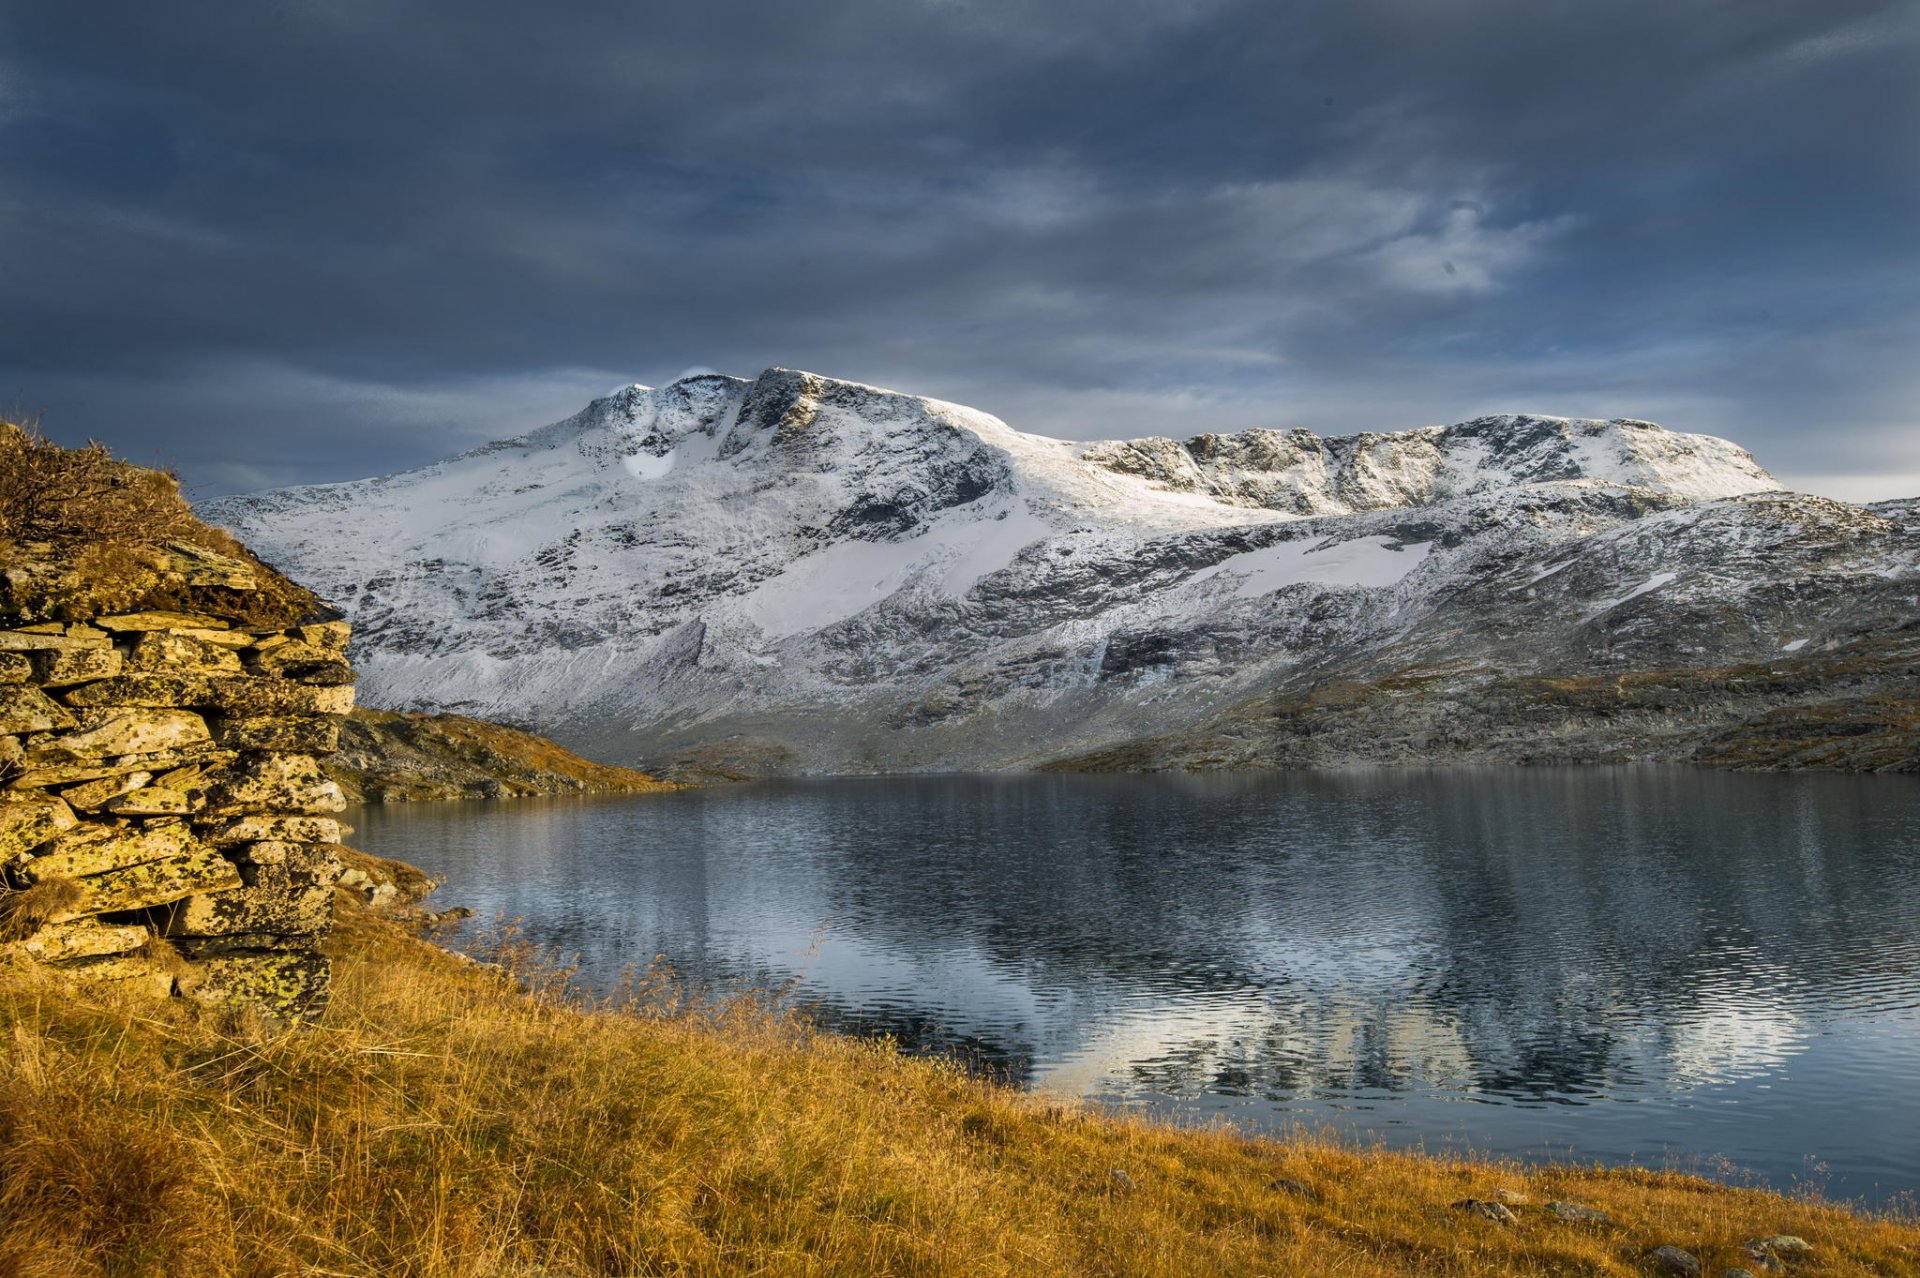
(389, 757)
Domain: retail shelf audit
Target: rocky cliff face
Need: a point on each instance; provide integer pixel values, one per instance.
(731, 577)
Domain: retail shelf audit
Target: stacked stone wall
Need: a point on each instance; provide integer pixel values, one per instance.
(160, 778)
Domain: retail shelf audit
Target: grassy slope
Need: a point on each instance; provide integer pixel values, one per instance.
(439, 1122)
(390, 756)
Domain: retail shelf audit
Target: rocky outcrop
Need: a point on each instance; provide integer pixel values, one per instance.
(386, 756)
(165, 824)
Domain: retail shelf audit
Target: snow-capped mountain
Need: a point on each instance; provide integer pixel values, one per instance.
(798, 573)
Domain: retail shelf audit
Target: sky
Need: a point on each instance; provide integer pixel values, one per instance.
(276, 242)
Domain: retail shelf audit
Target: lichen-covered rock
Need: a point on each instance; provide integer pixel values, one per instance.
(62, 667)
(229, 694)
(286, 888)
(101, 734)
(159, 620)
(282, 829)
(267, 906)
(89, 795)
(53, 637)
(300, 661)
(14, 668)
(141, 887)
(29, 820)
(278, 783)
(24, 708)
(288, 985)
(178, 651)
(288, 734)
(80, 938)
(133, 974)
(91, 849)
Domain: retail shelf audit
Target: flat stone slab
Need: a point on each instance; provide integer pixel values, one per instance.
(289, 734)
(53, 637)
(268, 907)
(281, 829)
(26, 823)
(282, 784)
(24, 708)
(155, 883)
(177, 652)
(90, 849)
(101, 734)
(157, 620)
(231, 694)
(81, 938)
(61, 667)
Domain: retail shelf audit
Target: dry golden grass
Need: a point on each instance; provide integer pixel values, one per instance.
(441, 1122)
(78, 527)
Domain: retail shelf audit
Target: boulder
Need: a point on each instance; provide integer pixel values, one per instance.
(1675, 1261)
(1581, 1214)
(1498, 1213)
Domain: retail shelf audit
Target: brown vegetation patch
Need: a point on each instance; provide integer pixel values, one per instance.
(83, 533)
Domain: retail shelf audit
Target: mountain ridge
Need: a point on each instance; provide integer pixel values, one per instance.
(798, 573)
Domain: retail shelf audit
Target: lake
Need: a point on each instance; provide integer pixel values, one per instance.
(1714, 972)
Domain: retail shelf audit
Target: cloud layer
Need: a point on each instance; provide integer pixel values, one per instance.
(309, 241)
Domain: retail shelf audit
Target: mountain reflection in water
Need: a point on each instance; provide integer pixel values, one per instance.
(1665, 965)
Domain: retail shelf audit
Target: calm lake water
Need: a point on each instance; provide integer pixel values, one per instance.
(1681, 968)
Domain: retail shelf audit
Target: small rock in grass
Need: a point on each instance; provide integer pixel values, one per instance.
(1781, 1247)
(1673, 1260)
(1576, 1212)
(1480, 1207)
(1738, 1273)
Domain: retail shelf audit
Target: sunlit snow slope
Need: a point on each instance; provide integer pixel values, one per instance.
(796, 573)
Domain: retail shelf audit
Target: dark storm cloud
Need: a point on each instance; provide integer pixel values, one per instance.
(275, 242)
